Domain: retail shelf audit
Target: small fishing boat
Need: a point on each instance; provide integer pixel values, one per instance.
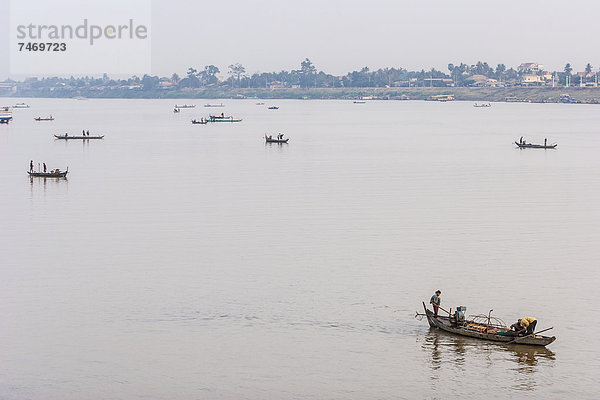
(359, 102)
(229, 119)
(20, 105)
(269, 139)
(50, 118)
(56, 173)
(222, 118)
(176, 110)
(5, 115)
(260, 104)
(482, 105)
(483, 327)
(273, 108)
(214, 105)
(200, 122)
(185, 106)
(67, 137)
(524, 145)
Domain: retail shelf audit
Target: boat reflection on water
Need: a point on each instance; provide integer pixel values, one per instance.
(458, 354)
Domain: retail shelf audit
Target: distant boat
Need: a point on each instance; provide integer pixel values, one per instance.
(176, 110)
(359, 102)
(535, 146)
(201, 122)
(20, 105)
(52, 174)
(269, 139)
(5, 115)
(67, 137)
(50, 118)
(482, 105)
(214, 105)
(260, 104)
(185, 106)
(273, 108)
(226, 119)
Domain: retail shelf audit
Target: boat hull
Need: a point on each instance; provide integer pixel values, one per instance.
(225, 120)
(277, 140)
(445, 324)
(48, 174)
(77, 137)
(535, 146)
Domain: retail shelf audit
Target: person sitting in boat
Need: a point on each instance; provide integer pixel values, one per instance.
(222, 115)
(88, 132)
(524, 326)
(435, 301)
(521, 140)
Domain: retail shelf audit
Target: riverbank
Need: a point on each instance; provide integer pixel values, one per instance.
(531, 94)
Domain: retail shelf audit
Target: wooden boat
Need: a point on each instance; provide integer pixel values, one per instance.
(20, 105)
(67, 137)
(185, 106)
(359, 102)
(273, 108)
(53, 174)
(260, 104)
(535, 146)
(269, 139)
(5, 115)
(482, 105)
(478, 328)
(222, 118)
(214, 105)
(230, 119)
(44, 119)
(201, 122)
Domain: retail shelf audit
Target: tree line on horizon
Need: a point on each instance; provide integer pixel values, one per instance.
(307, 76)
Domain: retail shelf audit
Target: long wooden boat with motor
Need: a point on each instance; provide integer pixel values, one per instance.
(67, 137)
(52, 174)
(483, 327)
(535, 146)
(269, 139)
(44, 119)
(185, 106)
(222, 118)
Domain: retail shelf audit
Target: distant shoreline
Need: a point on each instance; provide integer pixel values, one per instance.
(590, 95)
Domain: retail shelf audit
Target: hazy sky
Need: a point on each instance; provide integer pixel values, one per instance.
(340, 36)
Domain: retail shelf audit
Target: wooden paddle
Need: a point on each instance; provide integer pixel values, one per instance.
(533, 333)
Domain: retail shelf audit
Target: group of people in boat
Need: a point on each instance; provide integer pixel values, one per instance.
(44, 169)
(279, 136)
(523, 142)
(523, 327)
(85, 133)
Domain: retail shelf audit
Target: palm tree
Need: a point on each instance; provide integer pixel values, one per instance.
(568, 70)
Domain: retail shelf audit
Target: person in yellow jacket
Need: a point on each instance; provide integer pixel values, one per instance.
(525, 326)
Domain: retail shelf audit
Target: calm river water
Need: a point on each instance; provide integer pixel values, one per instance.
(184, 261)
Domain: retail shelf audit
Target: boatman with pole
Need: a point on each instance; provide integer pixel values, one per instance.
(435, 301)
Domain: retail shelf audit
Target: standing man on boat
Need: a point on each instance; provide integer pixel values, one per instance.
(435, 301)
(44, 167)
(31, 166)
